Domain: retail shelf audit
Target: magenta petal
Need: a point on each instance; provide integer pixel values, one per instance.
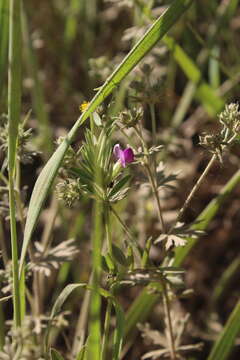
(124, 156)
(122, 159)
(128, 155)
(117, 151)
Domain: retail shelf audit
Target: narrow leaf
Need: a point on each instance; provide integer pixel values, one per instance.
(14, 111)
(224, 344)
(63, 297)
(57, 306)
(119, 331)
(204, 92)
(4, 20)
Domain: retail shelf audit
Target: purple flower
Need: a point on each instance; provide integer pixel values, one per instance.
(125, 156)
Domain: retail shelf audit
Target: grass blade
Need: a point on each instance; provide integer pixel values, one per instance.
(14, 109)
(145, 44)
(66, 292)
(118, 335)
(204, 92)
(228, 276)
(224, 344)
(4, 25)
(119, 332)
(37, 93)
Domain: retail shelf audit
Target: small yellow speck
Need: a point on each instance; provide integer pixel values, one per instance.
(83, 106)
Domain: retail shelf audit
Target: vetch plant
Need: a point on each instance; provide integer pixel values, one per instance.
(85, 272)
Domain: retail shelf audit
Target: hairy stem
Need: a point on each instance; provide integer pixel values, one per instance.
(196, 187)
(156, 195)
(166, 304)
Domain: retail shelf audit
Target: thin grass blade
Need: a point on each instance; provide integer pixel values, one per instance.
(14, 110)
(119, 332)
(37, 92)
(4, 26)
(204, 92)
(66, 292)
(225, 343)
(227, 278)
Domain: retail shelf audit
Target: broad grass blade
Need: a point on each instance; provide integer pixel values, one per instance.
(144, 303)
(225, 343)
(14, 79)
(66, 292)
(4, 24)
(227, 278)
(48, 174)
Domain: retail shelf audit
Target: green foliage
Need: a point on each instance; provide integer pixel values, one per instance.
(224, 344)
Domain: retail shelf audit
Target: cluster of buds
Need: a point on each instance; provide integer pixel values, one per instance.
(230, 118)
(216, 143)
(148, 88)
(24, 151)
(213, 143)
(70, 158)
(130, 118)
(69, 191)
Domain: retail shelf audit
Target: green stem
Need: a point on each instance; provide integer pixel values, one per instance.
(94, 349)
(105, 343)
(129, 139)
(166, 304)
(152, 181)
(201, 179)
(196, 187)
(14, 110)
(134, 244)
(156, 195)
(16, 289)
(3, 245)
(107, 229)
(2, 327)
(154, 129)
